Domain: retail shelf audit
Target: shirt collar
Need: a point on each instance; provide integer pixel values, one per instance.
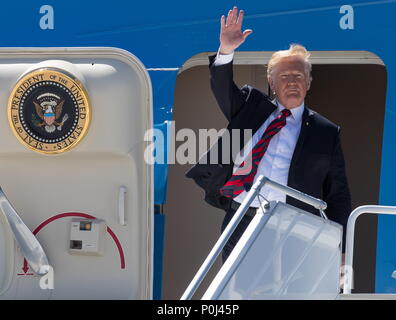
(296, 113)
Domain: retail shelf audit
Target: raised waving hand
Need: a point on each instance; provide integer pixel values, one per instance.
(231, 35)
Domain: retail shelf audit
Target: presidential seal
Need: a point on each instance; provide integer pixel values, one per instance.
(49, 111)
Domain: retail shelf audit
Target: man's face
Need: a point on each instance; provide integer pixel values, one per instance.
(290, 81)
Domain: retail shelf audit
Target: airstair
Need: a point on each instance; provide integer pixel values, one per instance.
(285, 253)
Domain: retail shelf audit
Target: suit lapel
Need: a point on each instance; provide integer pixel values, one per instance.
(305, 125)
(252, 119)
(260, 115)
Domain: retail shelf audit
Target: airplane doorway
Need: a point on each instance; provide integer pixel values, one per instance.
(348, 88)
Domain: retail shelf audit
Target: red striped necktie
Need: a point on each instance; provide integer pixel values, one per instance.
(242, 178)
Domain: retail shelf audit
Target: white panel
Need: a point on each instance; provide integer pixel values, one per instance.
(86, 179)
(295, 255)
(7, 255)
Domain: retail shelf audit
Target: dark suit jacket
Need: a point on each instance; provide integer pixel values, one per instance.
(317, 167)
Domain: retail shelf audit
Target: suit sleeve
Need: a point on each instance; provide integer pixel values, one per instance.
(229, 97)
(336, 190)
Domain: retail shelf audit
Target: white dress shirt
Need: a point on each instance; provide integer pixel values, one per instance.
(275, 163)
(223, 58)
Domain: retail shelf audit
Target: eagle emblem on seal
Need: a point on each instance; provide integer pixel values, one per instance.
(49, 109)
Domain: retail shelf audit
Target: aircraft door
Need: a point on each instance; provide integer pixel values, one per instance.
(72, 164)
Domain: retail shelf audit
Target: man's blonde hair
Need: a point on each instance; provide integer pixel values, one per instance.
(294, 50)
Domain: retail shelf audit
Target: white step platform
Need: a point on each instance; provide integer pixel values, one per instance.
(285, 253)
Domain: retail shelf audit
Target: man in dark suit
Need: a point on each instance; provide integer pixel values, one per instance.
(291, 144)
